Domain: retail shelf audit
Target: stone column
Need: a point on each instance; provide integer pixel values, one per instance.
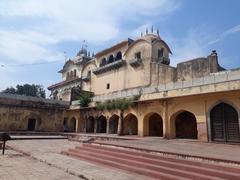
(108, 126)
(120, 125)
(166, 121)
(95, 125)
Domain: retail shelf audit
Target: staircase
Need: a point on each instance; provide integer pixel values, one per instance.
(152, 166)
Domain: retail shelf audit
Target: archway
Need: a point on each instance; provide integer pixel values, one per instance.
(118, 56)
(32, 124)
(90, 124)
(186, 125)
(110, 59)
(103, 62)
(154, 124)
(101, 124)
(224, 123)
(113, 124)
(130, 125)
(73, 124)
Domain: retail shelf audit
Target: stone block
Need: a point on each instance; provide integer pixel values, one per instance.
(208, 79)
(197, 81)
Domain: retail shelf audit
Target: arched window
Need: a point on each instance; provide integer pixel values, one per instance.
(160, 53)
(103, 62)
(68, 75)
(75, 72)
(71, 74)
(110, 59)
(118, 56)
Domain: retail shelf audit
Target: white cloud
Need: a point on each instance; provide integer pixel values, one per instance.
(96, 21)
(226, 33)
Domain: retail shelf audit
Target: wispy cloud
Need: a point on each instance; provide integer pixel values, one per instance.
(226, 33)
(34, 30)
(191, 45)
(96, 21)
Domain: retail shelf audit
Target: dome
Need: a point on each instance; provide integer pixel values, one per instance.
(83, 51)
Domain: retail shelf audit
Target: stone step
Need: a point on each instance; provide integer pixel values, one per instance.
(163, 162)
(168, 159)
(186, 173)
(137, 170)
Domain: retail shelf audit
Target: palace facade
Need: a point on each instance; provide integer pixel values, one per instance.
(197, 99)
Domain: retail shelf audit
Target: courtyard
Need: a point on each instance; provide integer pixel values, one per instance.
(35, 159)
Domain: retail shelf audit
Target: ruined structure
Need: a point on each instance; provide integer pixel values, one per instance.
(21, 113)
(197, 99)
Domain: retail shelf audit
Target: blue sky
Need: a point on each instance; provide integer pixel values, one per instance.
(39, 32)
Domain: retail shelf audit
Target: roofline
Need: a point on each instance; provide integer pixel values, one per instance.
(63, 83)
(105, 51)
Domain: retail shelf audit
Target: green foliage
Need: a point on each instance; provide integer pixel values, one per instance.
(121, 104)
(27, 90)
(85, 98)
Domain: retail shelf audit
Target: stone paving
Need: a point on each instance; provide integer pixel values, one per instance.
(48, 151)
(17, 166)
(187, 147)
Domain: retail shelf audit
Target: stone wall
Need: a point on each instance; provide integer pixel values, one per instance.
(16, 111)
(197, 68)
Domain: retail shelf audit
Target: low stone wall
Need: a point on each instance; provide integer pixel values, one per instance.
(16, 112)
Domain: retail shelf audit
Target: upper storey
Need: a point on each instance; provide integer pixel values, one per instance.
(72, 67)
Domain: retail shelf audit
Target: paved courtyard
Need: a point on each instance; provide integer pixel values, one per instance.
(42, 159)
(47, 152)
(17, 166)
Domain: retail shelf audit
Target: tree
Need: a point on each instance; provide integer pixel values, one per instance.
(27, 90)
(10, 90)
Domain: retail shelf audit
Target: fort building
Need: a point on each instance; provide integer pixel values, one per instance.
(136, 91)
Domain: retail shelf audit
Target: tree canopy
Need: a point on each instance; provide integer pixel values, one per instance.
(27, 90)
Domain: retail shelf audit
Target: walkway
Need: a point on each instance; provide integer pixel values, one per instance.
(185, 147)
(48, 151)
(17, 166)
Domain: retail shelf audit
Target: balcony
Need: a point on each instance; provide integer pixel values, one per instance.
(135, 62)
(86, 78)
(164, 60)
(109, 67)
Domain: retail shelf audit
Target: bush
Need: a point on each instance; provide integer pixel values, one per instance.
(85, 98)
(121, 104)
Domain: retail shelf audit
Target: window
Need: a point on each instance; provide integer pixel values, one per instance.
(110, 59)
(75, 72)
(103, 62)
(138, 55)
(118, 56)
(108, 86)
(71, 74)
(160, 53)
(89, 73)
(67, 75)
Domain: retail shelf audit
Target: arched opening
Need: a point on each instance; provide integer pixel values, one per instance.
(130, 125)
(186, 125)
(113, 124)
(224, 123)
(154, 124)
(103, 62)
(90, 125)
(32, 124)
(118, 56)
(110, 59)
(101, 124)
(73, 125)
